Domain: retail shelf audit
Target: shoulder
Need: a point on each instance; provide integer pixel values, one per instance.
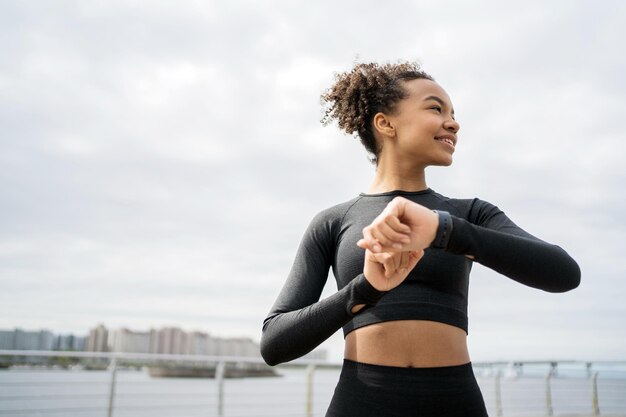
(475, 210)
(325, 227)
(333, 216)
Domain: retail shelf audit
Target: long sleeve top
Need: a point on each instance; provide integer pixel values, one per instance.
(436, 289)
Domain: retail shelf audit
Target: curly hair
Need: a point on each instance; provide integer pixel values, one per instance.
(367, 89)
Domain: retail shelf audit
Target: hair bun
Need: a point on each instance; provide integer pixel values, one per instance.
(357, 95)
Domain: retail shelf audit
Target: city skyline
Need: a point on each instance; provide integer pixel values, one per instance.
(86, 333)
(164, 340)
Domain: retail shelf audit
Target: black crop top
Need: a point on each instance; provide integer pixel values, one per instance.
(436, 289)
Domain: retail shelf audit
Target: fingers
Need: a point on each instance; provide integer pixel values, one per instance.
(390, 264)
(385, 232)
(369, 241)
(404, 260)
(408, 260)
(387, 270)
(398, 262)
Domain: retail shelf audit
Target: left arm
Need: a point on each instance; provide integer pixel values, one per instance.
(501, 245)
(491, 239)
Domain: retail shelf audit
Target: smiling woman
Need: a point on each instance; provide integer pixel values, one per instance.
(401, 254)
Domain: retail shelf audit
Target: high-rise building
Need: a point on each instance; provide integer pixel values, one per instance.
(41, 340)
(124, 340)
(236, 347)
(97, 341)
(170, 340)
(69, 342)
(167, 340)
(198, 343)
(7, 339)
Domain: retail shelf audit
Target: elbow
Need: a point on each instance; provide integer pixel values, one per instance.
(570, 278)
(565, 286)
(575, 280)
(565, 272)
(572, 283)
(268, 353)
(573, 274)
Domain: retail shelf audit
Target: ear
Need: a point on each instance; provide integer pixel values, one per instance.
(383, 126)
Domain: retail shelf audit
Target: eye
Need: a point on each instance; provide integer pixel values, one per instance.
(437, 108)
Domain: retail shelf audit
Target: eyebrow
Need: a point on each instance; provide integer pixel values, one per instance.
(438, 100)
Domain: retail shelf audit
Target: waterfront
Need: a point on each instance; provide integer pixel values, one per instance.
(86, 394)
(56, 392)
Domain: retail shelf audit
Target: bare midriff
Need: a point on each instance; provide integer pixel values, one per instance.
(408, 344)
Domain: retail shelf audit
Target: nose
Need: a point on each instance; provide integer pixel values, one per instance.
(452, 125)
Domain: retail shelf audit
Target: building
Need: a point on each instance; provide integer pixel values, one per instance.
(171, 340)
(236, 347)
(124, 340)
(198, 343)
(167, 340)
(19, 339)
(39, 340)
(7, 339)
(97, 341)
(69, 342)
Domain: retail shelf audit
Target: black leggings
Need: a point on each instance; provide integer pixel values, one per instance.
(387, 391)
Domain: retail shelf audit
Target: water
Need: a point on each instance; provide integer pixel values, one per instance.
(86, 394)
(27, 393)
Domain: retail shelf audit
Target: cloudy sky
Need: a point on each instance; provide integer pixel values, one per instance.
(160, 160)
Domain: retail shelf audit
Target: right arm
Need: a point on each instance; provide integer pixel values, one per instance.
(299, 322)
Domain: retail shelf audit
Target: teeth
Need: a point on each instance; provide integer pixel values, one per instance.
(446, 140)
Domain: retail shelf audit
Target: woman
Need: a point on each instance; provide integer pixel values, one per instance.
(401, 254)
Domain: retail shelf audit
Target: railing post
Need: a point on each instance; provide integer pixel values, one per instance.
(310, 370)
(595, 404)
(219, 378)
(113, 368)
(498, 394)
(549, 410)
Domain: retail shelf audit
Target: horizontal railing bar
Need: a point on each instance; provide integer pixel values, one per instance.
(163, 406)
(103, 396)
(239, 404)
(51, 410)
(127, 407)
(266, 415)
(51, 397)
(252, 359)
(51, 383)
(155, 357)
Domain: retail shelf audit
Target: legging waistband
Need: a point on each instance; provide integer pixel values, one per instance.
(453, 370)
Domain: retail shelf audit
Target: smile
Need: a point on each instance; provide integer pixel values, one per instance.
(450, 141)
(446, 140)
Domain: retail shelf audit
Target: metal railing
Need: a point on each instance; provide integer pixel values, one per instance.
(113, 362)
(576, 390)
(509, 388)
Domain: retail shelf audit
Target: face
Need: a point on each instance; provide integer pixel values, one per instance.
(423, 125)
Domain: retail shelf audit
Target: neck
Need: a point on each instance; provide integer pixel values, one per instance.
(396, 176)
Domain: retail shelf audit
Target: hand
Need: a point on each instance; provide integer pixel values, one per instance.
(387, 270)
(402, 226)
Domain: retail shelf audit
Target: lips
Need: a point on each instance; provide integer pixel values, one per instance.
(449, 139)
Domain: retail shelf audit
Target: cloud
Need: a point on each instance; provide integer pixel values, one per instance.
(160, 162)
